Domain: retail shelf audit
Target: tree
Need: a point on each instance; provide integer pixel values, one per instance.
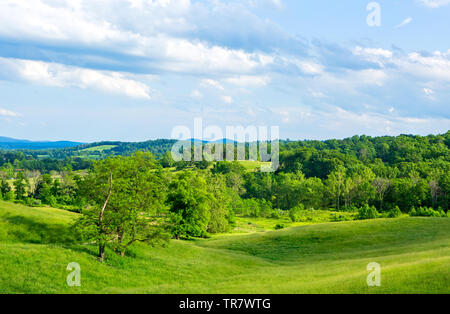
(381, 186)
(43, 189)
(20, 186)
(435, 190)
(167, 160)
(189, 205)
(335, 182)
(5, 188)
(127, 195)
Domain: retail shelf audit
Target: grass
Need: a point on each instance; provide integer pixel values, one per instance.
(414, 253)
(252, 166)
(307, 217)
(100, 148)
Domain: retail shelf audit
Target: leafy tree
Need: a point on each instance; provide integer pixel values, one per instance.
(5, 188)
(20, 186)
(43, 190)
(189, 206)
(381, 186)
(335, 184)
(127, 195)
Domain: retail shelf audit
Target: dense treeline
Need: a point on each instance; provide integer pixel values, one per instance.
(141, 198)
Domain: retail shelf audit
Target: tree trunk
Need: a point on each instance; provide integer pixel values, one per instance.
(101, 246)
(101, 252)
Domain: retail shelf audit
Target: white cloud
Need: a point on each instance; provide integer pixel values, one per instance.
(152, 29)
(212, 83)
(8, 113)
(435, 3)
(53, 74)
(227, 99)
(405, 22)
(428, 91)
(433, 67)
(376, 55)
(346, 122)
(307, 66)
(196, 94)
(248, 81)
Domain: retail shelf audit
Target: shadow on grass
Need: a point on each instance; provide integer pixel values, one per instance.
(29, 231)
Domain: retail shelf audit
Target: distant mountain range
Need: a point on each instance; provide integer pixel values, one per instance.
(12, 143)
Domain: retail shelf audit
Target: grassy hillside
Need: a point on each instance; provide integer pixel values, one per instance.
(414, 253)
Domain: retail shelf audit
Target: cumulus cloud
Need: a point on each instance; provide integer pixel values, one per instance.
(159, 31)
(435, 3)
(8, 113)
(249, 81)
(52, 74)
(227, 99)
(196, 94)
(212, 83)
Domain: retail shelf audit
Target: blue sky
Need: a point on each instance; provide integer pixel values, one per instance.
(134, 69)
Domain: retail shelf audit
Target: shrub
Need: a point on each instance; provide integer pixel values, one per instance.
(295, 212)
(335, 217)
(280, 226)
(426, 212)
(394, 212)
(367, 212)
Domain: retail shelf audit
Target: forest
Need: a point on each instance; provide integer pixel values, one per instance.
(145, 197)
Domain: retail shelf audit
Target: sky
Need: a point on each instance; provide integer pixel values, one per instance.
(133, 70)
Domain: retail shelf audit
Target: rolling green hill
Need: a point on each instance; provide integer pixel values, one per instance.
(414, 254)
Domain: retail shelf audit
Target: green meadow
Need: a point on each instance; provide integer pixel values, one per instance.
(414, 253)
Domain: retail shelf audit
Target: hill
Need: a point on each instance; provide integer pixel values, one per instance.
(414, 253)
(11, 143)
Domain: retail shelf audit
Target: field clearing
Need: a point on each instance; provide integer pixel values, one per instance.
(414, 254)
(252, 166)
(100, 148)
(308, 217)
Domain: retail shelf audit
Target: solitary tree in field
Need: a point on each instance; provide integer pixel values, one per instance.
(127, 195)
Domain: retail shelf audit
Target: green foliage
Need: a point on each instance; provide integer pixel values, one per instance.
(426, 212)
(280, 226)
(294, 213)
(20, 186)
(132, 201)
(32, 239)
(367, 212)
(394, 212)
(189, 205)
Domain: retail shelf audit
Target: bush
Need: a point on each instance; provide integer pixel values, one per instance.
(295, 212)
(426, 212)
(394, 212)
(9, 196)
(280, 226)
(351, 209)
(367, 212)
(335, 217)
